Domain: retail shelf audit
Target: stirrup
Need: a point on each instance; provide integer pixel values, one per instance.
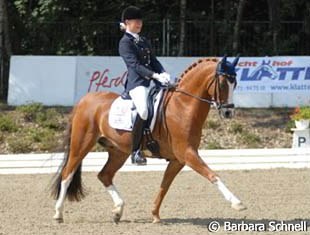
(151, 143)
(138, 159)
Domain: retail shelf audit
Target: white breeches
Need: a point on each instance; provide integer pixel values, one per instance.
(139, 97)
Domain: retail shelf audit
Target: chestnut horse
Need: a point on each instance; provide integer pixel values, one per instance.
(186, 107)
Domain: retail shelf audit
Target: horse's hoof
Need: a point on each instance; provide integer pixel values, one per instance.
(116, 218)
(238, 206)
(117, 213)
(58, 220)
(156, 220)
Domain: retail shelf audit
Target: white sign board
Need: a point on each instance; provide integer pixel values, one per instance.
(45, 79)
(109, 73)
(62, 80)
(273, 74)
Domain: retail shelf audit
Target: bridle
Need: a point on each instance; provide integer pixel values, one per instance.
(215, 101)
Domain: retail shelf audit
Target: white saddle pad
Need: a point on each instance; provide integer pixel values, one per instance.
(123, 113)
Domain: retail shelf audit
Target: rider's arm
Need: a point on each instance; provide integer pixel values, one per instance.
(129, 53)
(155, 64)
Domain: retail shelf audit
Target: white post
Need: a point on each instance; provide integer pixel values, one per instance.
(301, 138)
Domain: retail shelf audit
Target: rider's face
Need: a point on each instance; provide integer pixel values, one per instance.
(134, 26)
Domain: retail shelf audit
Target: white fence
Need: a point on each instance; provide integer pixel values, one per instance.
(234, 159)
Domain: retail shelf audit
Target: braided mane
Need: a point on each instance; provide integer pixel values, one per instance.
(213, 59)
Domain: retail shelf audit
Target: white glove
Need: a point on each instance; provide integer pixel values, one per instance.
(167, 76)
(163, 78)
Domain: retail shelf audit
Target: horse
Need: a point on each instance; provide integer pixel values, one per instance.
(207, 82)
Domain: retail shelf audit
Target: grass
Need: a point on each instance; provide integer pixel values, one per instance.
(7, 124)
(250, 139)
(19, 144)
(214, 145)
(35, 128)
(30, 111)
(213, 124)
(41, 129)
(50, 119)
(235, 128)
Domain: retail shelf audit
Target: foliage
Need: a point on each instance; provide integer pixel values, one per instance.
(289, 125)
(31, 111)
(47, 139)
(301, 113)
(214, 145)
(40, 136)
(71, 27)
(7, 124)
(235, 128)
(251, 139)
(33, 138)
(42, 129)
(213, 124)
(35, 112)
(50, 119)
(21, 144)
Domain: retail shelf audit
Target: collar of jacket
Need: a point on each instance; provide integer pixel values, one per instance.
(131, 37)
(135, 35)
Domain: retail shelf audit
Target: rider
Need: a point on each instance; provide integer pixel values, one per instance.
(142, 67)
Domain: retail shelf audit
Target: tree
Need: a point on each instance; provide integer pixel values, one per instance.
(237, 26)
(5, 48)
(274, 16)
(182, 26)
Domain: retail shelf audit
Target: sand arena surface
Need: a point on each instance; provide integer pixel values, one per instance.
(190, 205)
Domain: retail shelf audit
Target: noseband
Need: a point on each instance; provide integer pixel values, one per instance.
(215, 101)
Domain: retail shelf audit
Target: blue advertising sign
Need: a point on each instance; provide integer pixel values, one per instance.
(273, 74)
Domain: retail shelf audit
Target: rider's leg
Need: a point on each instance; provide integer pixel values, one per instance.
(139, 97)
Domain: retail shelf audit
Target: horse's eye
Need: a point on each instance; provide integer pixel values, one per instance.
(222, 85)
(231, 78)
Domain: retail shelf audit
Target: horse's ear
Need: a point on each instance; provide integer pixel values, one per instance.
(236, 60)
(224, 59)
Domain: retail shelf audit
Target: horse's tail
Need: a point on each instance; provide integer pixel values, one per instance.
(75, 190)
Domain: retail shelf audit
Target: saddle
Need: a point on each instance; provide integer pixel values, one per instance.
(123, 113)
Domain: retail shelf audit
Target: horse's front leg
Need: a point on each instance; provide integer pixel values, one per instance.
(193, 160)
(172, 170)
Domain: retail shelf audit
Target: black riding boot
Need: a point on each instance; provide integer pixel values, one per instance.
(137, 135)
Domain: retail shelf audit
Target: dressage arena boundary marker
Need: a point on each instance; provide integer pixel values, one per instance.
(229, 159)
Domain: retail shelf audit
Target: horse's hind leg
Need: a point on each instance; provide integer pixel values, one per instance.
(115, 161)
(82, 140)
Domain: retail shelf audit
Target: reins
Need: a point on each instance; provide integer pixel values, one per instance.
(174, 88)
(214, 101)
(211, 102)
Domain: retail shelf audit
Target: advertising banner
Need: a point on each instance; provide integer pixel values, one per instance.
(109, 73)
(281, 74)
(282, 81)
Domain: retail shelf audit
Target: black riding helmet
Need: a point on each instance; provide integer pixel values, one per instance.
(131, 13)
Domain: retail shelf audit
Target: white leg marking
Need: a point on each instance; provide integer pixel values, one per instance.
(62, 196)
(116, 197)
(118, 203)
(229, 196)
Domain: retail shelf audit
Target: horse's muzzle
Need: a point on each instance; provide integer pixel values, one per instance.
(228, 106)
(227, 110)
